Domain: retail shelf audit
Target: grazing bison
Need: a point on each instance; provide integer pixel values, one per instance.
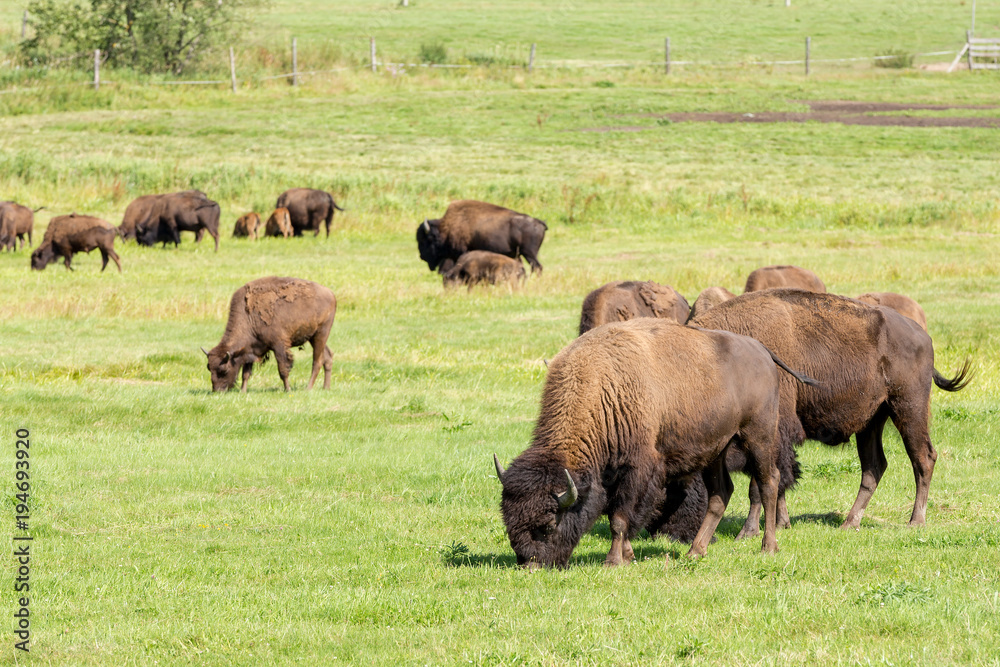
(622, 300)
(279, 224)
(903, 305)
(626, 407)
(69, 234)
(170, 214)
(481, 266)
(710, 297)
(768, 277)
(247, 226)
(273, 314)
(141, 208)
(475, 225)
(16, 222)
(872, 364)
(308, 209)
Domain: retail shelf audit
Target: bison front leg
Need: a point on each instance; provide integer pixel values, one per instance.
(621, 548)
(751, 527)
(247, 372)
(284, 362)
(720, 490)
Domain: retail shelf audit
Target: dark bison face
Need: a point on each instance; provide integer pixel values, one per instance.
(224, 368)
(429, 243)
(43, 256)
(146, 234)
(541, 511)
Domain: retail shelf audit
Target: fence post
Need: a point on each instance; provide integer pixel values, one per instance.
(968, 45)
(531, 58)
(24, 24)
(372, 46)
(97, 69)
(666, 56)
(788, 3)
(295, 62)
(232, 67)
(808, 49)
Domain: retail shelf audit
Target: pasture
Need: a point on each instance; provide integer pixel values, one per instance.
(361, 524)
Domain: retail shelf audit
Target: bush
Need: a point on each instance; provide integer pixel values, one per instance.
(434, 54)
(894, 59)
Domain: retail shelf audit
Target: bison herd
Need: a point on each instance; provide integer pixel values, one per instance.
(644, 415)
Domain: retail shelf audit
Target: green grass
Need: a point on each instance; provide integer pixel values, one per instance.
(361, 524)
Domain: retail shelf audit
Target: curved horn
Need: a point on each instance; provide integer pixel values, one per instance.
(500, 470)
(226, 358)
(426, 226)
(568, 498)
(205, 351)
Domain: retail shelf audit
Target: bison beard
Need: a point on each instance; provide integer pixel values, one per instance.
(872, 364)
(621, 416)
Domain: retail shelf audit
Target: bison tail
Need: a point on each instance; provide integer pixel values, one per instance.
(957, 383)
(38, 209)
(337, 207)
(801, 377)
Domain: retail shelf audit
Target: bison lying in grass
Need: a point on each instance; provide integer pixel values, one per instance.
(481, 266)
(622, 300)
(626, 407)
(70, 234)
(273, 315)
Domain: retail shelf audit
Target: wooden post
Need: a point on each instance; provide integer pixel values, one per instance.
(97, 69)
(968, 45)
(232, 67)
(24, 24)
(531, 58)
(295, 62)
(666, 56)
(788, 3)
(372, 45)
(808, 49)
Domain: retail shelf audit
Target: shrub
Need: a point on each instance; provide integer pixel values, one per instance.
(433, 54)
(894, 59)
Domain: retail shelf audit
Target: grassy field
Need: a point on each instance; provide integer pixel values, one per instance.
(361, 524)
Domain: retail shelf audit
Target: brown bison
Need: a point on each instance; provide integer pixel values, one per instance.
(247, 226)
(16, 222)
(169, 215)
(903, 305)
(768, 277)
(308, 209)
(475, 225)
(273, 314)
(481, 266)
(141, 208)
(626, 407)
(623, 300)
(872, 364)
(69, 234)
(279, 224)
(710, 297)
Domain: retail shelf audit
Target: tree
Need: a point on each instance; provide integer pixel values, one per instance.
(146, 35)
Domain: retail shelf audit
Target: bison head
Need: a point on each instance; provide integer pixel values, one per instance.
(147, 233)
(433, 249)
(43, 256)
(544, 512)
(225, 365)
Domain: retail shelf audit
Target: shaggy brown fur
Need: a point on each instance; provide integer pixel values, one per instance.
(16, 222)
(247, 226)
(308, 209)
(626, 300)
(475, 225)
(710, 297)
(170, 214)
(69, 234)
(140, 209)
(626, 407)
(903, 305)
(872, 365)
(481, 266)
(279, 224)
(768, 277)
(274, 314)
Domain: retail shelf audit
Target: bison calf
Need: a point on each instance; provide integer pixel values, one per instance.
(627, 407)
(279, 224)
(480, 266)
(625, 300)
(273, 315)
(247, 226)
(769, 277)
(69, 234)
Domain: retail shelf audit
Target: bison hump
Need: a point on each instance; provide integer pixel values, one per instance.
(265, 297)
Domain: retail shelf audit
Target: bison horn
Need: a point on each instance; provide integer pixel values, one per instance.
(226, 358)
(500, 470)
(568, 498)
(427, 225)
(205, 351)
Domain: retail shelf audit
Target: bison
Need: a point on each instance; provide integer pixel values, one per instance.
(872, 364)
(903, 305)
(710, 297)
(622, 300)
(273, 315)
(141, 208)
(475, 225)
(69, 234)
(170, 214)
(279, 224)
(481, 266)
(768, 277)
(16, 222)
(308, 209)
(247, 226)
(626, 407)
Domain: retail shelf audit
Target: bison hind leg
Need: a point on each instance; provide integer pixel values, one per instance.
(719, 486)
